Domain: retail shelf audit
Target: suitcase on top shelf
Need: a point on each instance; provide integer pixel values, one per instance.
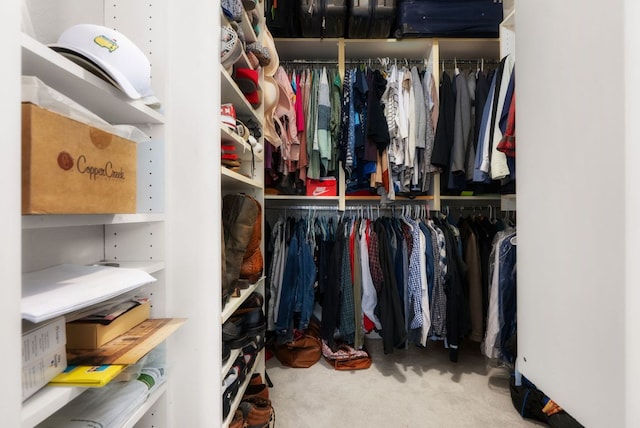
(323, 18)
(282, 18)
(449, 18)
(371, 19)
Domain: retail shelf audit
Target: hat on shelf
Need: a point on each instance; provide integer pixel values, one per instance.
(111, 56)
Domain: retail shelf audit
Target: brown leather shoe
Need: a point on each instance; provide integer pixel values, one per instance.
(259, 390)
(237, 421)
(253, 263)
(256, 379)
(257, 412)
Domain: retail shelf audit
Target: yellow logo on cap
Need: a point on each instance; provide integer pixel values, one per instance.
(106, 42)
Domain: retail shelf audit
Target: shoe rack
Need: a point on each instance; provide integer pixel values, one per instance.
(248, 178)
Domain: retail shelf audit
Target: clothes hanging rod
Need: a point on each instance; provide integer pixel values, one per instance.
(373, 61)
(470, 61)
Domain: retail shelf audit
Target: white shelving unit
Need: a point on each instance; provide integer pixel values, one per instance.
(173, 234)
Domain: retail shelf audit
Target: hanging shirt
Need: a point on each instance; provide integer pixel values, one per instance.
(499, 168)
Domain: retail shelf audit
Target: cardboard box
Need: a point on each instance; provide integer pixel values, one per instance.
(69, 167)
(326, 186)
(41, 370)
(42, 339)
(92, 335)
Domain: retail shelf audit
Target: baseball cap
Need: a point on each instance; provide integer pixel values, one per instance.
(111, 56)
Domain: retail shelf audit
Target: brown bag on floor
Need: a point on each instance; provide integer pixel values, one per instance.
(346, 357)
(357, 363)
(304, 351)
(301, 353)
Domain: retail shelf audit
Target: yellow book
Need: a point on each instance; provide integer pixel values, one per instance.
(88, 376)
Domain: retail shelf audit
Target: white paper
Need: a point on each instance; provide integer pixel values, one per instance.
(57, 290)
(35, 91)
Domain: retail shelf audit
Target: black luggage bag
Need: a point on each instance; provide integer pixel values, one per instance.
(323, 18)
(371, 19)
(282, 18)
(449, 18)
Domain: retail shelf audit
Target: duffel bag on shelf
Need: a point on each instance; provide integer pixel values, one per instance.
(323, 18)
(449, 18)
(371, 19)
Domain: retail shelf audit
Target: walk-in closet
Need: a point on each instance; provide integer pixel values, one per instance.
(294, 254)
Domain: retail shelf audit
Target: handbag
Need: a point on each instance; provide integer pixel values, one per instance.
(357, 363)
(346, 357)
(303, 352)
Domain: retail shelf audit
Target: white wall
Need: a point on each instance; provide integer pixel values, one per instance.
(632, 170)
(10, 253)
(571, 204)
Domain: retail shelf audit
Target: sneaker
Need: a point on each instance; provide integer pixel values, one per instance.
(230, 47)
(246, 79)
(232, 9)
(262, 53)
(249, 4)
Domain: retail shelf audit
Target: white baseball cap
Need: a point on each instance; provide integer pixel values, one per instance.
(110, 55)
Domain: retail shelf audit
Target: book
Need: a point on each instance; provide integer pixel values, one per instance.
(88, 376)
(129, 347)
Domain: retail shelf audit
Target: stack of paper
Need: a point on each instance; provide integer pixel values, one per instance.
(61, 289)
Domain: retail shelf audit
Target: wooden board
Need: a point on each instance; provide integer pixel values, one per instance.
(129, 347)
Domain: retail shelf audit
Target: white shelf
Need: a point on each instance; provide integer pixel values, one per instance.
(232, 357)
(470, 198)
(238, 398)
(242, 147)
(46, 402)
(301, 198)
(231, 179)
(83, 87)
(148, 267)
(66, 220)
(52, 398)
(142, 410)
(234, 302)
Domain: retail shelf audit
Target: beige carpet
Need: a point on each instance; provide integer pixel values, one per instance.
(409, 388)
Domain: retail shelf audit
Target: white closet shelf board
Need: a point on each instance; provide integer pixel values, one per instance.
(391, 48)
(66, 220)
(148, 267)
(321, 49)
(142, 410)
(80, 85)
(301, 198)
(508, 7)
(243, 149)
(232, 358)
(46, 402)
(230, 94)
(234, 302)
(469, 48)
(399, 199)
(471, 198)
(242, 389)
(508, 203)
(510, 21)
(232, 180)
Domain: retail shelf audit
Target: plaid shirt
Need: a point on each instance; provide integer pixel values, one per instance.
(374, 261)
(439, 298)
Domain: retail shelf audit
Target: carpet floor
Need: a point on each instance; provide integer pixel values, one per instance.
(409, 388)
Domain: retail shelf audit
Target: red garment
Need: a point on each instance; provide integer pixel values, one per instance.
(507, 144)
